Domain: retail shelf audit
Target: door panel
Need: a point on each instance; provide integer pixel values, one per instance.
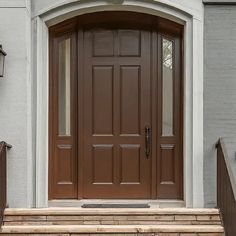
(117, 95)
(130, 112)
(130, 169)
(129, 43)
(103, 159)
(102, 104)
(101, 38)
(167, 170)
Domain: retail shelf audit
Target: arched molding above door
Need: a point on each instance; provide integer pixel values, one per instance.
(186, 7)
(62, 11)
(192, 19)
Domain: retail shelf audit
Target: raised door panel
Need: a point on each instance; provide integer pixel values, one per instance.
(66, 165)
(130, 110)
(102, 95)
(167, 175)
(101, 38)
(130, 167)
(103, 164)
(129, 43)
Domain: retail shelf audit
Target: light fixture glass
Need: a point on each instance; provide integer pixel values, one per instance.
(2, 61)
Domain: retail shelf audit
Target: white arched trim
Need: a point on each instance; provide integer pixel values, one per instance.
(193, 86)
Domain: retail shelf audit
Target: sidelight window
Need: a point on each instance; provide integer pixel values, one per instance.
(167, 87)
(64, 88)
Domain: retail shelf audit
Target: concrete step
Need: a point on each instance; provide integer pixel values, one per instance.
(115, 230)
(79, 216)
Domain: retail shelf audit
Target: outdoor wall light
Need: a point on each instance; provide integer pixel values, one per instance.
(2, 61)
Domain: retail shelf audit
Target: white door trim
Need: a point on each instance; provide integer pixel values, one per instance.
(193, 86)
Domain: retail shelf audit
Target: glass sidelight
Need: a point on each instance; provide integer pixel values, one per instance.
(64, 96)
(167, 87)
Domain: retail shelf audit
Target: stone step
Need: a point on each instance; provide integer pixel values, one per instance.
(109, 211)
(79, 216)
(131, 230)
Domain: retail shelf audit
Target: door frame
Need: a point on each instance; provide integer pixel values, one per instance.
(193, 91)
(158, 29)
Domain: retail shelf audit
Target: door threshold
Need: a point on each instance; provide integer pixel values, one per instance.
(152, 203)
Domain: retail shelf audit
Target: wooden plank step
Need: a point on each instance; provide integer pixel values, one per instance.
(113, 211)
(114, 229)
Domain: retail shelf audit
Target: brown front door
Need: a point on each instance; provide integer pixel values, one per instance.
(115, 108)
(117, 99)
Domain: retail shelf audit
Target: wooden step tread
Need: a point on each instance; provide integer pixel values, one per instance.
(111, 229)
(113, 211)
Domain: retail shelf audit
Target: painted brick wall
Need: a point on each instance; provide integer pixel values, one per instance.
(219, 87)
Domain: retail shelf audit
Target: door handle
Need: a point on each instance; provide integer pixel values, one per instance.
(147, 141)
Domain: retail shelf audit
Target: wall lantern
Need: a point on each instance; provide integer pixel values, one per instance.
(2, 61)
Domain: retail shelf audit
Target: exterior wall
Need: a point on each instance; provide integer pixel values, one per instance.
(219, 86)
(189, 13)
(15, 108)
(18, 100)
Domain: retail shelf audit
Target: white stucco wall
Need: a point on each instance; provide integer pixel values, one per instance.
(15, 101)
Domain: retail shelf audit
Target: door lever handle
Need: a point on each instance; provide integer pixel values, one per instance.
(147, 141)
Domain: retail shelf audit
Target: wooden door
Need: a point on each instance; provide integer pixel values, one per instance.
(117, 108)
(116, 116)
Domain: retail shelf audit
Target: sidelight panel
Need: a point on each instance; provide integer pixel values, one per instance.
(167, 87)
(169, 153)
(64, 98)
(63, 162)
